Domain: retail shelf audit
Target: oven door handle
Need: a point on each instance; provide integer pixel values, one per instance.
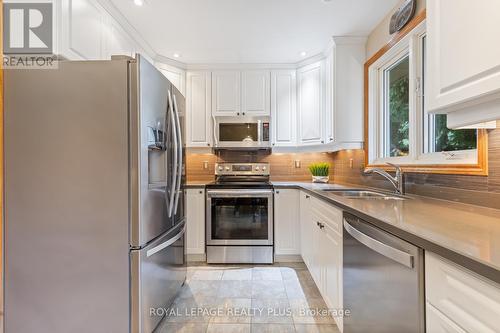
(238, 193)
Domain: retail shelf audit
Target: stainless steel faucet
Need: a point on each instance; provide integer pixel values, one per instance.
(398, 181)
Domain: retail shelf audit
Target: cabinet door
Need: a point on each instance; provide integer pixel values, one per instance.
(82, 30)
(195, 221)
(305, 228)
(117, 41)
(310, 104)
(286, 222)
(255, 93)
(175, 75)
(199, 103)
(463, 54)
(329, 123)
(283, 108)
(437, 322)
(470, 301)
(331, 267)
(226, 93)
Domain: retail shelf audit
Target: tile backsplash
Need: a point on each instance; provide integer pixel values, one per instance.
(282, 166)
(347, 169)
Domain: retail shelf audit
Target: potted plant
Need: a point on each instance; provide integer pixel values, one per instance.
(319, 172)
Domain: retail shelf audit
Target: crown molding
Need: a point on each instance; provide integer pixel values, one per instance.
(161, 59)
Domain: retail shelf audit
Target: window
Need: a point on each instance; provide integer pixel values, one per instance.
(397, 108)
(399, 129)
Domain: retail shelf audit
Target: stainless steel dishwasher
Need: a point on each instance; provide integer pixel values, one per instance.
(383, 280)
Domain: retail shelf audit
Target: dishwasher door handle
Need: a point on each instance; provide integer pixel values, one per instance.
(387, 251)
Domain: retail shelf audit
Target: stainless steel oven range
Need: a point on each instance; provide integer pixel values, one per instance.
(240, 214)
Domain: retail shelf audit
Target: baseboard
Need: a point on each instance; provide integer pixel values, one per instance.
(288, 258)
(196, 257)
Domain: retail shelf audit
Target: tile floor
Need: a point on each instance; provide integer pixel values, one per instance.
(244, 298)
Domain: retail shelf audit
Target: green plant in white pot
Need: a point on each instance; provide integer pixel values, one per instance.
(320, 172)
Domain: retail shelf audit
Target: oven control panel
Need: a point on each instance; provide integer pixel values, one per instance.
(255, 169)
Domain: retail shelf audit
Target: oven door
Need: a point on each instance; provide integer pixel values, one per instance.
(240, 217)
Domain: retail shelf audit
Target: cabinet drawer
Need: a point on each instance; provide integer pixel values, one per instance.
(437, 322)
(328, 214)
(470, 301)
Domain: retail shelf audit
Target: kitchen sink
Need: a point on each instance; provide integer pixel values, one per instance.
(364, 194)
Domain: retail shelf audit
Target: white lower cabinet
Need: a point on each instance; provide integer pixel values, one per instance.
(286, 222)
(195, 221)
(321, 248)
(306, 228)
(457, 300)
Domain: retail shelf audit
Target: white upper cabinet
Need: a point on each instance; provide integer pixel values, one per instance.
(283, 108)
(175, 75)
(87, 31)
(226, 93)
(255, 93)
(311, 84)
(117, 41)
(463, 59)
(82, 30)
(345, 93)
(198, 109)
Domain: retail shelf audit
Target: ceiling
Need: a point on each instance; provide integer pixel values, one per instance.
(249, 31)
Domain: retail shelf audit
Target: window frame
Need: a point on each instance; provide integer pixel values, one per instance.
(409, 41)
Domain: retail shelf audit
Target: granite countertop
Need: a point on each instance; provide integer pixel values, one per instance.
(465, 234)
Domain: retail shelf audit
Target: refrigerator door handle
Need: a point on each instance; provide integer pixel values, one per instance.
(387, 251)
(174, 169)
(167, 243)
(179, 153)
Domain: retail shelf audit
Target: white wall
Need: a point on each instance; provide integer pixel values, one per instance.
(380, 35)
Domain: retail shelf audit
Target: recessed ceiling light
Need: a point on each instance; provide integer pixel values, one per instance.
(139, 2)
(303, 53)
(177, 55)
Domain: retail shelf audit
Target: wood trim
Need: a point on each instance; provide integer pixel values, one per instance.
(478, 169)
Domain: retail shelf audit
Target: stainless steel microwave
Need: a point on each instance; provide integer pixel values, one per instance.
(242, 133)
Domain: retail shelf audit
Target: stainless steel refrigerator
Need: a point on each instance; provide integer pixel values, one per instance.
(94, 197)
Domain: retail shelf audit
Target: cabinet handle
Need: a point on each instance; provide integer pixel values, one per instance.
(201, 192)
(277, 192)
(237, 113)
(322, 141)
(321, 226)
(208, 144)
(243, 113)
(307, 197)
(331, 139)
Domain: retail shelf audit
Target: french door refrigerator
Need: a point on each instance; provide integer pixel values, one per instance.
(94, 204)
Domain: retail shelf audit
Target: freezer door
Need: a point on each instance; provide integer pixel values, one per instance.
(157, 274)
(150, 176)
(179, 104)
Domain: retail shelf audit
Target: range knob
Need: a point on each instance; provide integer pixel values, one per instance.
(264, 168)
(256, 168)
(221, 168)
(227, 168)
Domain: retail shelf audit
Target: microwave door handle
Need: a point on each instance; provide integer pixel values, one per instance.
(216, 134)
(179, 154)
(259, 131)
(174, 169)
